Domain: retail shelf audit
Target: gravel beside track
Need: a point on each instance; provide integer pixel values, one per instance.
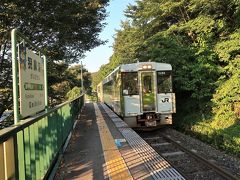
(230, 163)
(221, 159)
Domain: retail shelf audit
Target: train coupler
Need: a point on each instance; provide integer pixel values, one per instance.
(150, 120)
(150, 123)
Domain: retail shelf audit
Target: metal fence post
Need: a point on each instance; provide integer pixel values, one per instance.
(45, 82)
(14, 73)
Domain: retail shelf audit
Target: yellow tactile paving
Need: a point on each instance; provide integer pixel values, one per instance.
(115, 165)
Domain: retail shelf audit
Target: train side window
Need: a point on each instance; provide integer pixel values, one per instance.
(164, 82)
(130, 83)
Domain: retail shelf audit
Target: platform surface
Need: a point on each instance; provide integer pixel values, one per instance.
(104, 147)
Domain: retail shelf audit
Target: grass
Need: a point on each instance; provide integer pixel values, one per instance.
(222, 135)
(222, 132)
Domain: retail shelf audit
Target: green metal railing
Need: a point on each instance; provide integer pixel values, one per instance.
(29, 149)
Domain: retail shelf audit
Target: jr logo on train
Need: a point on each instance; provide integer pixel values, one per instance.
(141, 93)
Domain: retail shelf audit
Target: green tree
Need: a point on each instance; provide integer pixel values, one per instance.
(65, 30)
(96, 79)
(227, 96)
(65, 79)
(198, 37)
(74, 93)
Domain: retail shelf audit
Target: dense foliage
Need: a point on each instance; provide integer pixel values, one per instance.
(74, 93)
(66, 81)
(64, 29)
(201, 39)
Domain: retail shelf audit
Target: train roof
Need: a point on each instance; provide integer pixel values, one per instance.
(145, 66)
(134, 67)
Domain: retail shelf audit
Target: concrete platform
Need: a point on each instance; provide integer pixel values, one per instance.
(104, 147)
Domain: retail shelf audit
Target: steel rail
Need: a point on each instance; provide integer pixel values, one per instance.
(218, 169)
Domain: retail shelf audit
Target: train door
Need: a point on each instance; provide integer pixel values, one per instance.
(148, 91)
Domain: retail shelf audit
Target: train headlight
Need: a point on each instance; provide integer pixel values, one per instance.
(147, 66)
(144, 67)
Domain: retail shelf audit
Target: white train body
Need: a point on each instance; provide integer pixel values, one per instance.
(141, 93)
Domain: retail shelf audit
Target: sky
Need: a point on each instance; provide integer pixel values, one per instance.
(101, 54)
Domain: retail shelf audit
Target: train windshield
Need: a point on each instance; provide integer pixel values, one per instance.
(164, 82)
(130, 83)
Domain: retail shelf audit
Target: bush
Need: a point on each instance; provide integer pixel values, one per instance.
(73, 93)
(226, 138)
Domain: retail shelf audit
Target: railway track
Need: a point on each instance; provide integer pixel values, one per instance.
(187, 161)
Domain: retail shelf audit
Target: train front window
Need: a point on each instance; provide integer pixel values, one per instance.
(164, 82)
(147, 84)
(130, 83)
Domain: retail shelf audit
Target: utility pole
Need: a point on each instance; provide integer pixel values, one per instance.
(82, 77)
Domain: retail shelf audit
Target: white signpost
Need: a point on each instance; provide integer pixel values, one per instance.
(31, 82)
(29, 70)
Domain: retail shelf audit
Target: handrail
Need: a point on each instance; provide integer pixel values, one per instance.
(8, 131)
(30, 148)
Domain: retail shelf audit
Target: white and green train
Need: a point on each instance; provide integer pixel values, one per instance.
(141, 93)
